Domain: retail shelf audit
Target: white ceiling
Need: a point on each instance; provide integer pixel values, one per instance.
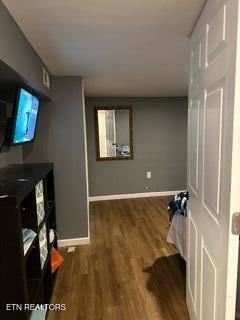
(120, 47)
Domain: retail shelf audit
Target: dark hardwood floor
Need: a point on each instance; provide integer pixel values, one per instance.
(129, 271)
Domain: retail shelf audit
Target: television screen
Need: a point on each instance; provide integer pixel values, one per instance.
(25, 117)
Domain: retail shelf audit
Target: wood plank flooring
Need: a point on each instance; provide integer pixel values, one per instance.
(129, 271)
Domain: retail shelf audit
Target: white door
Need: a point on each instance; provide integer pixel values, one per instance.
(213, 162)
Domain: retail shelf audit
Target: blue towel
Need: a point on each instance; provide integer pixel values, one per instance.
(178, 204)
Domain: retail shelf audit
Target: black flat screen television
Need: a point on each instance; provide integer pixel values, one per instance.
(3, 123)
(24, 117)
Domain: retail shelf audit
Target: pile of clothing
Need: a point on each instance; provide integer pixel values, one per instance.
(178, 205)
(122, 150)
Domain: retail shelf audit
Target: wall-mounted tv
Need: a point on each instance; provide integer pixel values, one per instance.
(3, 123)
(24, 117)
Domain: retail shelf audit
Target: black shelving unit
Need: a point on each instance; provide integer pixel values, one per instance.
(27, 201)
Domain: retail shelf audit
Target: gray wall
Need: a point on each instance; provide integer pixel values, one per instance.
(14, 155)
(60, 139)
(17, 52)
(160, 146)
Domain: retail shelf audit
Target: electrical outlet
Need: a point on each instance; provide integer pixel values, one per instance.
(71, 249)
(149, 175)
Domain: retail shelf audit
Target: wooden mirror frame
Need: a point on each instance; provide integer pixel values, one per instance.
(96, 109)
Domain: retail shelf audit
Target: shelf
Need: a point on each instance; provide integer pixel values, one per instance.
(26, 255)
(34, 285)
(47, 213)
(32, 173)
(45, 266)
(50, 205)
(27, 282)
(33, 289)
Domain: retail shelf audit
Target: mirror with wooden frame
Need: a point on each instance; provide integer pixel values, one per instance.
(113, 128)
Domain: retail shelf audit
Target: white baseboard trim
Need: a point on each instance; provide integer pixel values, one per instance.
(73, 242)
(134, 195)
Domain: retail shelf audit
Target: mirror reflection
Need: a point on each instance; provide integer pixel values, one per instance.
(114, 133)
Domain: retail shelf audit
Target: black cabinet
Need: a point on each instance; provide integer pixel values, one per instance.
(26, 203)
